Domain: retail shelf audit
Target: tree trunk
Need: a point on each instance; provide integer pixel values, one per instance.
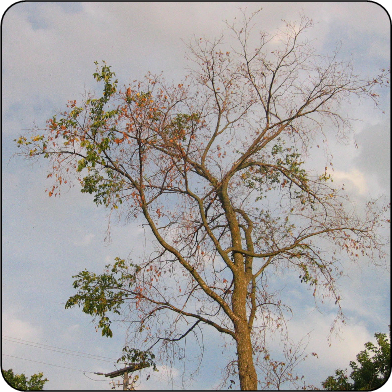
(246, 368)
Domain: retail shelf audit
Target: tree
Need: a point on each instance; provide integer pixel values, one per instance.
(22, 383)
(216, 167)
(371, 372)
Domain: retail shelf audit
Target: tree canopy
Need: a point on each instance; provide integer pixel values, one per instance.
(370, 372)
(216, 167)
(23, 383)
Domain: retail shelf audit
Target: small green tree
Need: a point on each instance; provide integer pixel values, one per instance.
(371, 371)
(22, 383)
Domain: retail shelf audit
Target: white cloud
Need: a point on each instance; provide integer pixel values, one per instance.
(14, 327)
(365, 17)
(70, 333)
(165, 376)
(331, 354)
(86, 240)
(73, 328)
(343, 348)
(355, 178)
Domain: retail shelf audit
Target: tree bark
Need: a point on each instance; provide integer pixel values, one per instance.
(246, 369)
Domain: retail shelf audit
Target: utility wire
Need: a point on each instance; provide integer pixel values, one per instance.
(45, 363)
(84, 371)
(57, 349)
(69, 352)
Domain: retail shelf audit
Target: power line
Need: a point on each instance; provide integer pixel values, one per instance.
(45, 363)
(69, 352)
(79, 370)
(93, 379)
(90, 356)
(57, 349)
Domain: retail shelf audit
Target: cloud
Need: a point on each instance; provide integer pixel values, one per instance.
(343, 349)
(331, 354)
(375, 151)
(69, 333)
(86, 240)
(14, 327)
(165, 376)
(355, 178)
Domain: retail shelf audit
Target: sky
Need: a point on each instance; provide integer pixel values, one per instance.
(48, 54)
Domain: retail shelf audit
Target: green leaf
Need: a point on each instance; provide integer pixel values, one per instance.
(100, 295)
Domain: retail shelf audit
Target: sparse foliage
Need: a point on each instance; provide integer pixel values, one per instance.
(216, 166)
